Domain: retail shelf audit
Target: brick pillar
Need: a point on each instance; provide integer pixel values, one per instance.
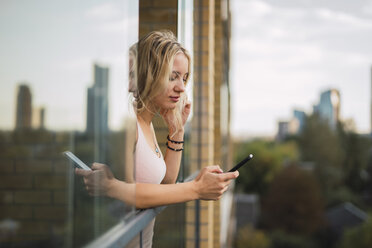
(158, 15)
(218, 77)
(222, 143)
(200, 214)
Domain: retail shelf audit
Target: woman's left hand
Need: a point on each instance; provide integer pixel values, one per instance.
(186, 112)
(168, 115)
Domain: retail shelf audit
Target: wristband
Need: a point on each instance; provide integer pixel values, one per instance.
(173, 149)
(174, 141)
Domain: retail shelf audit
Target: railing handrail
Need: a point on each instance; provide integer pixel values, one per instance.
(123, 232)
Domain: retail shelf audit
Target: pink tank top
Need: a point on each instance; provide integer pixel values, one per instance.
(149, 167)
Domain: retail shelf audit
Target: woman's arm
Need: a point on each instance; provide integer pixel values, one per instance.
(210, 184)
(173, 158)
(153, 195)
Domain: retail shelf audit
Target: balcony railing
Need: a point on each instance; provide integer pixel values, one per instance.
(122, 233)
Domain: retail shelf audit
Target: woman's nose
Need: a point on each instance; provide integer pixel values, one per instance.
(180, 86)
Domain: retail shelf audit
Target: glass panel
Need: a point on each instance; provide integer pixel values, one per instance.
(64, 72)
(170, 227)
(185, 37)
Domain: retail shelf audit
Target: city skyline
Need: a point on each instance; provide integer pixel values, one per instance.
(53, 46)
(328, 109)
(277, 71)
(285, 53)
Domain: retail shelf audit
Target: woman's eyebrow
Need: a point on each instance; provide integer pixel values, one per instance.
(179, 74)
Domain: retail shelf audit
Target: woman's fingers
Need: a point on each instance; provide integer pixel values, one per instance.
(97, 166)
(82, 172)
(97, 180)
(186, 111)
(214, 168)
(187, 108)
(229, 175)
(213, 182)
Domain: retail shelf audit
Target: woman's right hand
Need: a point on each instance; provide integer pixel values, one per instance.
(99, 180)
(211, 182)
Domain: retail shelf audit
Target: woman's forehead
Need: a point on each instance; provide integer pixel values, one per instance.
(180, 63)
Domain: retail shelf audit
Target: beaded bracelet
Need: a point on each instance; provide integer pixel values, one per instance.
(174, 141)
(173, 149)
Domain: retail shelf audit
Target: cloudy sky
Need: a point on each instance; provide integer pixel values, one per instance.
(52, 45)
(286, 52)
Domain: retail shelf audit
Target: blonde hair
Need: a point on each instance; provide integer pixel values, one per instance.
(155, 55)
(132, 87)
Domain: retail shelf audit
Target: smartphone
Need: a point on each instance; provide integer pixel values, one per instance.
(241, 163)
(77, 162)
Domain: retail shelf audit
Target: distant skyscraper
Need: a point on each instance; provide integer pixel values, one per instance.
(97, 107)
(371, 102)
(38, 118)
(97, 110)
(329, 107)
(300, 116)
(24, 107)
(283, 130)
(294, 126)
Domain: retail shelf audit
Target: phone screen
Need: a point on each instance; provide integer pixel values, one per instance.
(241, 163)
(78, 163)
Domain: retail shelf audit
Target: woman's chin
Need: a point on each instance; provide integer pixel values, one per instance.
(170, 107)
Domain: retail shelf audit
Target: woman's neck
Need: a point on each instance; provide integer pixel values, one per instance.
(146, 116)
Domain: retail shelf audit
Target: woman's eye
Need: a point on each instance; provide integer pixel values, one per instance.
(186, 78)
(173, 77)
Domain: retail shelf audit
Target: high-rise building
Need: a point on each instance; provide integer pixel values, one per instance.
(97, 110)
(283, 130)
(371, 103)
(294, 126)
(24, 107)
(38, 118)
(97, 102)
(329, 107)
(300, 116)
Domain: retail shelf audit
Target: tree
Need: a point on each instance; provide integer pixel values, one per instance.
(356, 149)
(267, 162)
(358, 237)
(320, 144)
(251, 238)
(280, 239)
(294, 203)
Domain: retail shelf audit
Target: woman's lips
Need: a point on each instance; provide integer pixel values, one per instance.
(174, 98)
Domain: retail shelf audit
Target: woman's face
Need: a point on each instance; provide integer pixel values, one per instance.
(176, 85)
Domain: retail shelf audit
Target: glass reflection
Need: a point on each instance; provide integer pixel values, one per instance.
(65, 62)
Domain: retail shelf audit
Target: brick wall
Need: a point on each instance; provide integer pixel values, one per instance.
(209, 72)
(211, 65)
(203, 123)
(33, 186)
(157, 15)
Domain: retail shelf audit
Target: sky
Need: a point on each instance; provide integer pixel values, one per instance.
(286, 52)
(52, 45)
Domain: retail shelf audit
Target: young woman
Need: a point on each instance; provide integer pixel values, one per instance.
(163, 69)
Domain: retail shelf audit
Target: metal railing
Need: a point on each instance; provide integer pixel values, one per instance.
(127, 229)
